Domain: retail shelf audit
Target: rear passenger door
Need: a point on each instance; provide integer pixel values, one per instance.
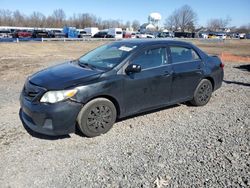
(187, 72)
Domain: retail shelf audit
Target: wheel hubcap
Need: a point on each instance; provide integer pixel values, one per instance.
(204, 93)
(99, 118)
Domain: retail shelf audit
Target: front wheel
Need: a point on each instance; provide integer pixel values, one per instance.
(203, 93)
(97, 117)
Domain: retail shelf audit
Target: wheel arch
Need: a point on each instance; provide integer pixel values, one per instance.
(211, 80)
(112, 99)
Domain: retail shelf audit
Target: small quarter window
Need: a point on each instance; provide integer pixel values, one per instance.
(181, 54)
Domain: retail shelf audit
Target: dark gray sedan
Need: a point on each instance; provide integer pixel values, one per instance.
(116, 80)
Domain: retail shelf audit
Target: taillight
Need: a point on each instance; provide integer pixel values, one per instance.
(222, 65)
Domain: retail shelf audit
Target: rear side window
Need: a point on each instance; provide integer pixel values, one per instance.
(182, 54)
(151, 58)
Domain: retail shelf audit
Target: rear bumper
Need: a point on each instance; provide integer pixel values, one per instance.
(50, 119)
(218, 79)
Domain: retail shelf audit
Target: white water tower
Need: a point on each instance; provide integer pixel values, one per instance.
(154, 18)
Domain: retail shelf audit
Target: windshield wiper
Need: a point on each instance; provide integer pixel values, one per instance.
(87, 65)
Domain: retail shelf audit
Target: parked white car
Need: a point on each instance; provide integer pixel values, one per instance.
(242, 35)
(115, 33)
(221, 36)
(144, 35)
(91, 31)
(133, 35)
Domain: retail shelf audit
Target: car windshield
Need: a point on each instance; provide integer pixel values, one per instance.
(107, 56)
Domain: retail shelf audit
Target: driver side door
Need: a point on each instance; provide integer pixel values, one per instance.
(151, 87)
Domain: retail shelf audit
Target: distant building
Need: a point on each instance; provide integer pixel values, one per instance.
(147, 27)
(153, 23)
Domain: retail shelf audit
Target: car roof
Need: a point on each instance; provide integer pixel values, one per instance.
(148, 42)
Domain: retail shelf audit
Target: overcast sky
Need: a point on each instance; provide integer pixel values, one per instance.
(238, 11)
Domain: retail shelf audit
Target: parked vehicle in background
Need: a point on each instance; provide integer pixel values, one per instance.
(126, 34)
(133, 35)
(117, 80)
(211, 36)
(84, 34)
(102, 34)
(165, 35)
(70, 32)
(41, 34)
(22, 34)
(115, 33)
(5, 34)
(242, 35)
(57, 34)
(221, 36)
(91, 30)
(184, 35)
(144, 35)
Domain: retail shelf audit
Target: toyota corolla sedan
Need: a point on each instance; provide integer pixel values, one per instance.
(116, 80)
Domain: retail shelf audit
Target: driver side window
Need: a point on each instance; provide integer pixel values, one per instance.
(151, 58)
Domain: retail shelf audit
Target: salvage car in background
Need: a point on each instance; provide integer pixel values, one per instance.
(144, 35)
(41, 34)
(102, 34)
(5, 34)
(57, 34)
(22, 34)
(165, 35)
(84, 34)
(117, 80)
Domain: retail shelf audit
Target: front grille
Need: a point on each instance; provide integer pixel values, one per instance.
(32, 92)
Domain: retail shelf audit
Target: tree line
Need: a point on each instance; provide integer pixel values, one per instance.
(185, 19)
(58, 19)
(182, 19)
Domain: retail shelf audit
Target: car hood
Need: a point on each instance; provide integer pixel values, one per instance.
(64, 76)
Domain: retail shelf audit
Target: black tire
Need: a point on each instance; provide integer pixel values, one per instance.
(97, 117)
(203, 93)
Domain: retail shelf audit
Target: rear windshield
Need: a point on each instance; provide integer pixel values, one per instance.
(118, 32)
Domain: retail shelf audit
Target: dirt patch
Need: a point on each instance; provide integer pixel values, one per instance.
(227, 57)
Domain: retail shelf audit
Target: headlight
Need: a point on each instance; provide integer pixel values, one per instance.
(56, 96)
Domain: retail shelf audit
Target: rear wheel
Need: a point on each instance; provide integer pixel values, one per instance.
(97, 117)
(202, 93)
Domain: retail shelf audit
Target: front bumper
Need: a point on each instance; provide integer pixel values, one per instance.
(50, 119)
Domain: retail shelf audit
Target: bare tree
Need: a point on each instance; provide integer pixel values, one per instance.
(170, 23)
(136, 25)
(57, 18)
(218, 24)
(183, 18)
(128, 24)
(19, 19)
(187, 18)
(244, 29)
(6, 18)
(37, 19)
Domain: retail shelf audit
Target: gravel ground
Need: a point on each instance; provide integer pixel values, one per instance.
(179, 146)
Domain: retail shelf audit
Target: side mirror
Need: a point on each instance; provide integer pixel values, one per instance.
(133, 68)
